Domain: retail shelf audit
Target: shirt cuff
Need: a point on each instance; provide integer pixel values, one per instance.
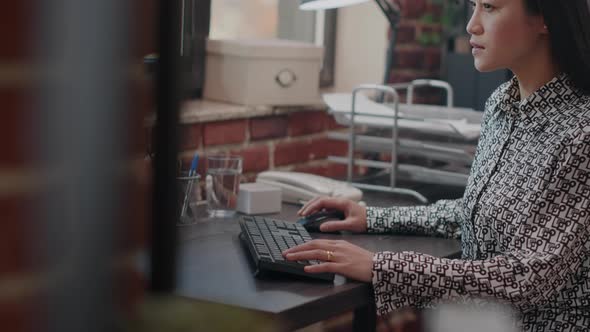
(387, 288)
(376, 222)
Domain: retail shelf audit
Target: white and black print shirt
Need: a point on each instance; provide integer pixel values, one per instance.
(523, 221)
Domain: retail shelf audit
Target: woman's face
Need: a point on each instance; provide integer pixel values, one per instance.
(504, 35)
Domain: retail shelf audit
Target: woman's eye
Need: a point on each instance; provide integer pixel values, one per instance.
(472, 3)
(487, 6)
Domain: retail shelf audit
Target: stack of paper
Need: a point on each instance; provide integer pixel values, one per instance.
(461, 123)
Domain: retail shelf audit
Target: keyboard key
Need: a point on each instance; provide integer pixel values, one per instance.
(257, 239)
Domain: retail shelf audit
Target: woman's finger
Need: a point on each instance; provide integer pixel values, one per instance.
(313, 205)
(325, 203)
(322, 267)
(316, 254)
(311, 245)
(335, 225)
(308, 204)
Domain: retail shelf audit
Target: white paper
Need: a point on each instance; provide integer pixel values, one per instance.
(380, 115)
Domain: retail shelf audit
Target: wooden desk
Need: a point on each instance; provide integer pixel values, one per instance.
(214, 266)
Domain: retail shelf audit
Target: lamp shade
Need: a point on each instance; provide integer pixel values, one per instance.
(327, 4)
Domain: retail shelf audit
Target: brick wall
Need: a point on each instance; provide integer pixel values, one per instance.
(417, 55)
(23, 281)
(293, 141)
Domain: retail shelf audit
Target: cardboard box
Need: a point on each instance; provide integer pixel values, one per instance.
(263, 72)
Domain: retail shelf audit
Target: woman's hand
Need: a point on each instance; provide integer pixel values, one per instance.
(338, 256)
(356, 215)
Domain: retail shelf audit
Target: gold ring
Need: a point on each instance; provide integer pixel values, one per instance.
(330, 255)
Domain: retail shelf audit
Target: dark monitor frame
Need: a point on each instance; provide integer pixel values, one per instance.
(163, 229)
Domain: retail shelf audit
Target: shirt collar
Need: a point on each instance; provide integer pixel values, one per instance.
(541, 104)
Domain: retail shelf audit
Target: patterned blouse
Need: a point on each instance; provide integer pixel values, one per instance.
(524, 220)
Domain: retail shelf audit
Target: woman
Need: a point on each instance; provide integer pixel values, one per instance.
(524, 218)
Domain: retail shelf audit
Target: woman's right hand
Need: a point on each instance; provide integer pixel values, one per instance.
(356, 214)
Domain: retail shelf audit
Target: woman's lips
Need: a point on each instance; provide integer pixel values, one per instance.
(477, 49)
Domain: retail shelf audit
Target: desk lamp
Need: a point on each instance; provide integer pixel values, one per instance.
(390, 10)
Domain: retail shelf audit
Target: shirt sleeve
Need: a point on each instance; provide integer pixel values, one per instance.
(525, 278)
(442, 218)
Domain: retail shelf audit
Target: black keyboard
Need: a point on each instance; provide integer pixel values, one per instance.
(267, 238)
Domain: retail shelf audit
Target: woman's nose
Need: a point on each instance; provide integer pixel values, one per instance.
(474, 26)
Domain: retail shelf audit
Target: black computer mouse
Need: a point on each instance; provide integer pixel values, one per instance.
(313, 221)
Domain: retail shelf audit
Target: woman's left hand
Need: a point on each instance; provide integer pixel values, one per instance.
(337, 256)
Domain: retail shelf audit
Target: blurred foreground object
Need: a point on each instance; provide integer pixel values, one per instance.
(462, 317)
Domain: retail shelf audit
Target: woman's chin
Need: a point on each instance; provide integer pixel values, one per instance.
(483, 66)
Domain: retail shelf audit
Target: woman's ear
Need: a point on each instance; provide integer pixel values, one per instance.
(537, 23)
(540, 22)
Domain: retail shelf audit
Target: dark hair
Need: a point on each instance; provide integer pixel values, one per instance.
(568, 22)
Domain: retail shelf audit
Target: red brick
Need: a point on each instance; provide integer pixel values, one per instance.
(329, 169)
(406, 33)
(302, 123)
(224, 132)
(432, 58)
(403, 77)
(16, 128)
(16, 25)
(321, 169)
(337, 148)
(17, 234)
(311, 149)
(249, 177)
(323, 147)
(434, 9)
(385, 157)
(256, 158)
(409, 58)
(190, 137)
(251, 152)
(292, 152)
(201, 168)
(430, 97)
(330, 123)
(186, 161)
(268, 127)
(413, 8)
(430, 28)
(338, 171)
(425, 95)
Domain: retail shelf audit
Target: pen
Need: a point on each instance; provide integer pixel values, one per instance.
(189, 186)
(194, 165)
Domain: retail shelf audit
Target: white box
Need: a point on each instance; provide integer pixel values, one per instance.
(263, 72)
(259, 198)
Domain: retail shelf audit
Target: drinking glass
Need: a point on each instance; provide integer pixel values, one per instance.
(222, 185)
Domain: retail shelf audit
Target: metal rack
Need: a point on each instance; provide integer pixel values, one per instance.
(460, 125)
